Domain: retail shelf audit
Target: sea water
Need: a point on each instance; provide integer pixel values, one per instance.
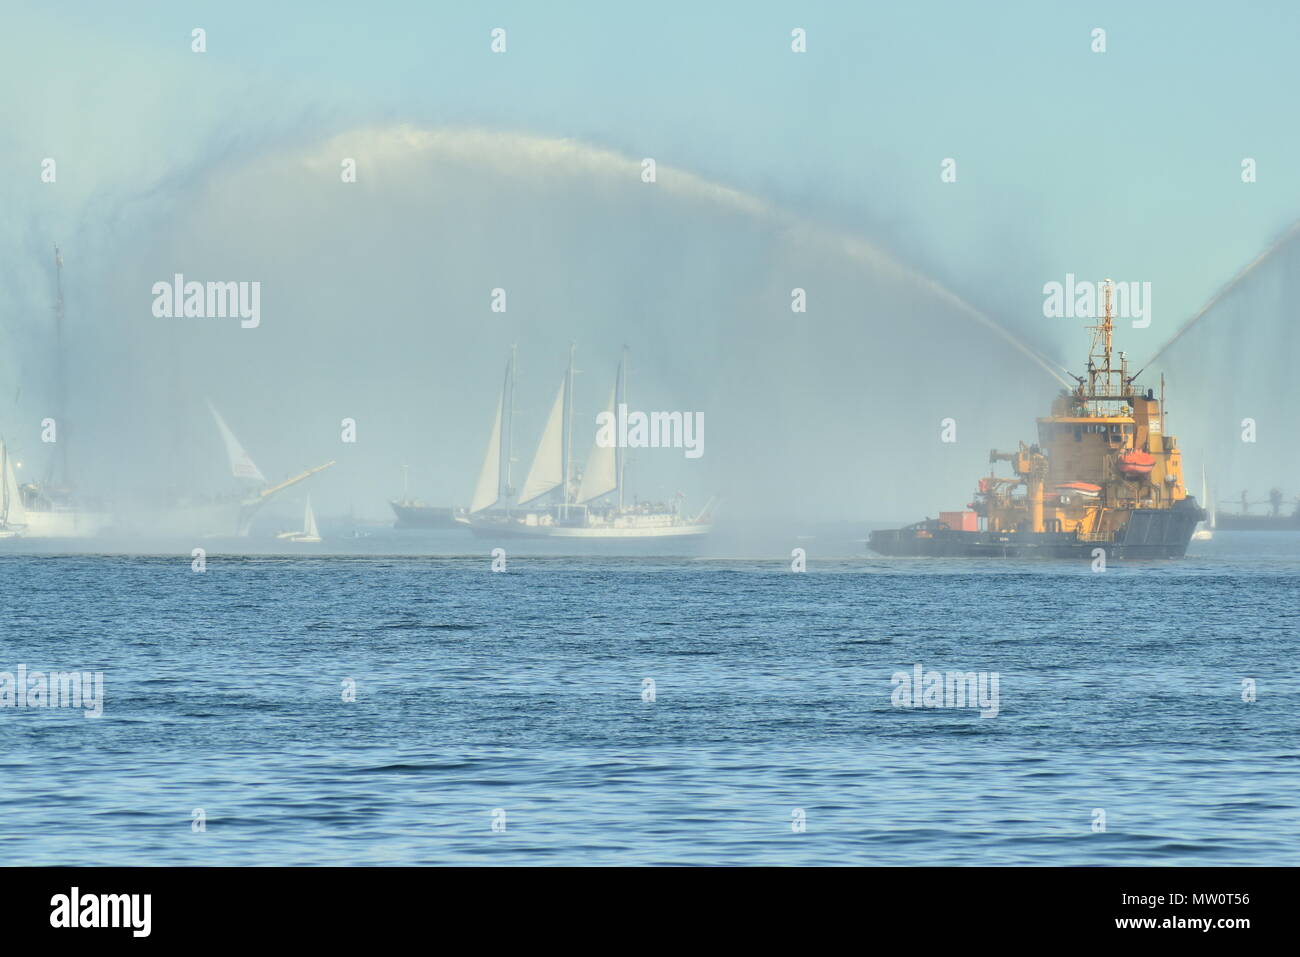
(390, 707)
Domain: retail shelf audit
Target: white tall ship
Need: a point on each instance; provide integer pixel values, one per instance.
(37, 511)
(50, 507)
(557, 500)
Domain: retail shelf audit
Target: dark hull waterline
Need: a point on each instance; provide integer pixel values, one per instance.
(1149, 534)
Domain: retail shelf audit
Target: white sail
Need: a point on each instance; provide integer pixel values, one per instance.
(15, 513)
(309, 523)
(241, 463)
(1206, 502)
(488, 489)
(547, 471)
(601, 475)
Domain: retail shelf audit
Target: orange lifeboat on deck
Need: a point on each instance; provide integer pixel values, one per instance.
(1135, 463)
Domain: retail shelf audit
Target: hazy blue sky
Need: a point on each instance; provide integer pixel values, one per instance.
(1124, 163)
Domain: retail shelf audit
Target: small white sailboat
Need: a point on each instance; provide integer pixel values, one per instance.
(1206, 532)
(310, 534)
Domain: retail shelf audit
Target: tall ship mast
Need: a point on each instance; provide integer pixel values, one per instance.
(1104, 474)
(548, 481)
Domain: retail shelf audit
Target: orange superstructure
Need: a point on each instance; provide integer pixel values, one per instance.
(1102, 452)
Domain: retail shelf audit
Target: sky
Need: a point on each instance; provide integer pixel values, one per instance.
(773, 165)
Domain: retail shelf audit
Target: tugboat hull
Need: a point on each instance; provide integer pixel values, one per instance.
(1149, 534)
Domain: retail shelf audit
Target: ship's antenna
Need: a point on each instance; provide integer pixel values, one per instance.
(1102, 342)
(1162, 407)
(1109, 325)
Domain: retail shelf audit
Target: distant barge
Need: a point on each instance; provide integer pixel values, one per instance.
(1273, 521)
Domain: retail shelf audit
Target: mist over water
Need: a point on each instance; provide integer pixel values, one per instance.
(375, 306)
(1238, 362)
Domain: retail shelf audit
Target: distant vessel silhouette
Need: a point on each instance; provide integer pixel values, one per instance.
(413, 513)
(1272, 521)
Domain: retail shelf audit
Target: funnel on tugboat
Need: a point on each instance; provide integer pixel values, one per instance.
(1103, 474)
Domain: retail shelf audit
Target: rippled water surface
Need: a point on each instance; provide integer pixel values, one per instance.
(522, 693)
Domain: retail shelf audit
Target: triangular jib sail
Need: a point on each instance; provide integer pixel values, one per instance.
(547, 471)
(309, 522)
(241, 463)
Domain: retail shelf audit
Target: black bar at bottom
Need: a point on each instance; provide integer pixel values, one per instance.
(337, 906)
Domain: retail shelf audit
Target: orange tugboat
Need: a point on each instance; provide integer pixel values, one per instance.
(1103, 474)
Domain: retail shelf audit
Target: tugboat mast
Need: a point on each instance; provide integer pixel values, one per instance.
(1102, 374)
